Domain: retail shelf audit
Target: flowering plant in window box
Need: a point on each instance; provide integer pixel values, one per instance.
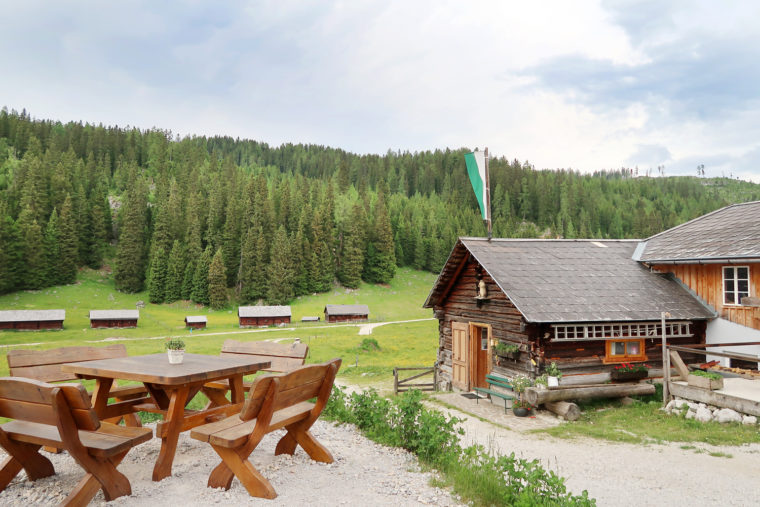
(630, 371)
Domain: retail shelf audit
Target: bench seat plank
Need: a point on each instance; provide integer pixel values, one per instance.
(109, 440)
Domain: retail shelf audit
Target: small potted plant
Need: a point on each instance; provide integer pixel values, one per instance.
(520, 407)
(553, 374)
(629, 371)
(507, 350)
(175, 349)
(705, 379)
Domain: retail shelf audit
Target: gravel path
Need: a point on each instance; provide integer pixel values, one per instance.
(363, 473)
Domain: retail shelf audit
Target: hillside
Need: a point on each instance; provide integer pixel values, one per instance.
(214, 219)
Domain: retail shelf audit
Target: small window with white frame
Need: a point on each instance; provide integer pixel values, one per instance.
(735, 284)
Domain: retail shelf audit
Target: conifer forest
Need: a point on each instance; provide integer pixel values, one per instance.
(209, 218)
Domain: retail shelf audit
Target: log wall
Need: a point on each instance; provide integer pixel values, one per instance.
(32, 325)
(263, 321)
(346, 318)
(113, 323)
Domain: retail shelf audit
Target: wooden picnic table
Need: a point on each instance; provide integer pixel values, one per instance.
(171, 388)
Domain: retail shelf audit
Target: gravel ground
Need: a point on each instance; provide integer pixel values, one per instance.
(363, 473)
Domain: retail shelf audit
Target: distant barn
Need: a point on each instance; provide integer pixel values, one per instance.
(32, 319)
(346, 313)
(195, 321)
(261, 316)
(114, 318)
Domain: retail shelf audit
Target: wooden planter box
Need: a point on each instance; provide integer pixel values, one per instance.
(704, 382)
(509, 355)
(628, 375)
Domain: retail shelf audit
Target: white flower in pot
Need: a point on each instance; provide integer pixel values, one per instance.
(175, 349)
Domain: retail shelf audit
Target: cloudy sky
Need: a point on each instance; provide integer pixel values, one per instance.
(586, 85)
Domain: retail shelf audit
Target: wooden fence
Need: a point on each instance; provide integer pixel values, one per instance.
(404, 384)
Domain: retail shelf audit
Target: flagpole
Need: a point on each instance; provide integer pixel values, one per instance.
(488, 196)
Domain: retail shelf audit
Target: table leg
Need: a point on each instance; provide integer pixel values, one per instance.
(237, 392)
(173, 425)
(100, 395)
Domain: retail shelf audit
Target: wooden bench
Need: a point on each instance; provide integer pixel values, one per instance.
(275, 402)
(61, 416)
(45, 366)
(493, 380)
(283, 358)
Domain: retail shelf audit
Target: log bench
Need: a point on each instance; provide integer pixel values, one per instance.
(61, 416)
(275, 402)
(493, 380)
(45, 366)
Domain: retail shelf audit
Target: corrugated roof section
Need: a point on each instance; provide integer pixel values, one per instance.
(552, 281)
(732, 232)
(114, 314)
(32, 315)
(264, 311)
(346, 310)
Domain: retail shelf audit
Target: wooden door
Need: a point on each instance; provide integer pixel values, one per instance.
(480, 354)
(460, 374)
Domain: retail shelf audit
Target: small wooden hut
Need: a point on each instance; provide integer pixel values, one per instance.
(32, 319)
(585, 304)
(262, 316)
(346, 313)
(114, 318)
(196, 321)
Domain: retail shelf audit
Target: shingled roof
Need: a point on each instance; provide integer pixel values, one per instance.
(264, 311)
(32, 315)
(553, 281)
(730, 233)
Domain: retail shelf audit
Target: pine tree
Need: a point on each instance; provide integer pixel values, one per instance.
(249, 265)
(200, 293)
(52, 250)
(175, 273)
(157, 284)
(35, 266)
(187, 280)
(380, 263)
(280, 271)
(352, 253)
(129, 272)
(67, 264)
(10, 253)
(217, 282)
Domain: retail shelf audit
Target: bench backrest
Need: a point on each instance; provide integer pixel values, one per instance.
(302, 384)
(30, 400)
(284, 357)
(45, 365)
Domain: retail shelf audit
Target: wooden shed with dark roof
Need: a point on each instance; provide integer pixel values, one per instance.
(114, 318)
(196, 321)
(585, 304)
(262, 316)
(32, 319)
(346, 313)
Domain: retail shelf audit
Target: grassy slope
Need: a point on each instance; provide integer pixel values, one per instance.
(407, 344)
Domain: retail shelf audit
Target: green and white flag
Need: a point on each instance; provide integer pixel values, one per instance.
(476, 168)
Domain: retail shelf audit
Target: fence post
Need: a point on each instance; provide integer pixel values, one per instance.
(665, 362)
(435, 376)
(395, 381)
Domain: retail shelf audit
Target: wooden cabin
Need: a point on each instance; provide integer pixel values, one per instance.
(262, 316)
(585, 304)
(114, 318)
(32, 319)
(346, 313)
(196, 321)
(718, 257)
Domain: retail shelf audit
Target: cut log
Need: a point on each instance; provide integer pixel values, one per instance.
(541, 396)
(678, 364)
(569, 411)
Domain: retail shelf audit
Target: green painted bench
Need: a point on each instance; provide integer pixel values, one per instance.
(493, 380)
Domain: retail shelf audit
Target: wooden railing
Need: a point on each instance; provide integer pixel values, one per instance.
(744, 315)
(401, 385)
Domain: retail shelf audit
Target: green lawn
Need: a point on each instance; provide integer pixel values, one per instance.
(406, 344)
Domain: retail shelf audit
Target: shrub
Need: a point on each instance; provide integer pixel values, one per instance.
(707, 374)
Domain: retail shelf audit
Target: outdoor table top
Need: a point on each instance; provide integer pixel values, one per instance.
(156, 369)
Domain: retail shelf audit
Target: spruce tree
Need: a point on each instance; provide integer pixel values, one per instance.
(249, 264)
(200, 278)
(67, 264)
(175, 273)
(217, 282)
(157, 284)
(352, 253)
(52, 250)
(280, 271)
(380, 264)
(10, 253)
(35, 265)
(129, 272)
(187, 280)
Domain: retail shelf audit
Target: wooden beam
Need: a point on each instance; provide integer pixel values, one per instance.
(569, 411)
(536, 396)
(679, 365)
(714, 398)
